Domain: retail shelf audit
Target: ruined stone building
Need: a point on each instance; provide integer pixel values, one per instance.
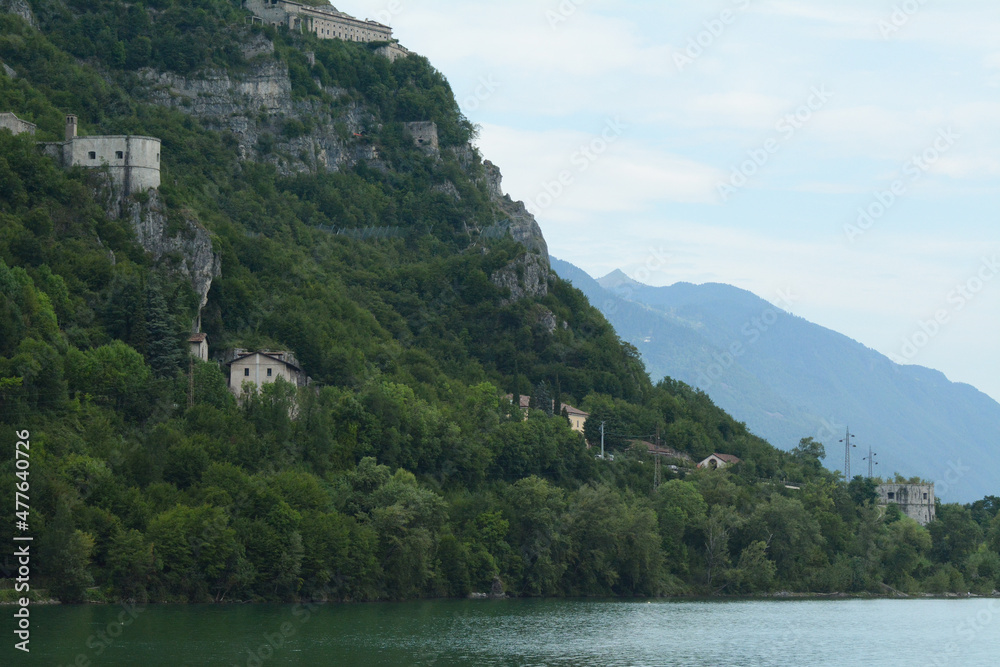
(424, 134)
(914, 500)
(15, 124)
(132, 160)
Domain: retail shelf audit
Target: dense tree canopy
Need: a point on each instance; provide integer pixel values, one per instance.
(402, 471)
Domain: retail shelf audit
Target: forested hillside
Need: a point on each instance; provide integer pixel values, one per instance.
(414, 297)
(792, 377)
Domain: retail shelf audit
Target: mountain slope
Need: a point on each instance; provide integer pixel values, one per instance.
(297, 212)
(789, 379)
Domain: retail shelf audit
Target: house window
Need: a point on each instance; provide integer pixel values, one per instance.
(92, 155)
(268, 372)
(892, 496)
(925, 496)
(246, 372)
(119, 155)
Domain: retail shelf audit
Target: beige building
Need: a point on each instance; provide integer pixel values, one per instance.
(15, 124)
(199, 346)
(326, 22)
(577, 418)
(914, 500)
(263, 367)
(132, 160)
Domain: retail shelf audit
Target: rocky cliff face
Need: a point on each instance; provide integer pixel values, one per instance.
(296, 136)
(183, 245)
(528, 276)
(19, 7)
(257, 107)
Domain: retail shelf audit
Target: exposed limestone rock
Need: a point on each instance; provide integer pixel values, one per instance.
(190, 248)
(21, 8)
(528, 276)
(465, 155)
(522, 225)
(8, 70)
(545, 319)
(494, 180)
(257, 45)
(448, 188)
(296, 136)
(269, 125)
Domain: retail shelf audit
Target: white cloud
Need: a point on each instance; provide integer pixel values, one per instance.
(577, 173)
(971, 167)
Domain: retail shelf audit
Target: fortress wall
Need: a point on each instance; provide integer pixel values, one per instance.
(275, 14)
(393, 52)
(914, 500)
(134, 160)
(325, 24)
(424, 133)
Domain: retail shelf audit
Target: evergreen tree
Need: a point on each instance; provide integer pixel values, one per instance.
(163, 351)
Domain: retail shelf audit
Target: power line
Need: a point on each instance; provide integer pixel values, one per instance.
(847, 454)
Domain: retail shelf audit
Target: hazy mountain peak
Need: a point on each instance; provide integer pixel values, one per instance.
(617, 278)
(788, 378)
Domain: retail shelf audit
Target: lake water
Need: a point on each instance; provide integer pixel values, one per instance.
(518, 632)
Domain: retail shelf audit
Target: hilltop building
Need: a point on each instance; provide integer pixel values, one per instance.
(719, 461)
(326, 22)
(15, 124)
(132, 160)
(914, 500)
(263, 367)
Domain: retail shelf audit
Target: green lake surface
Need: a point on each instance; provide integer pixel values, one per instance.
(517, 632)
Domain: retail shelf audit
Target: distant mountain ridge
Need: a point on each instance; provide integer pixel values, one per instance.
(788, 378)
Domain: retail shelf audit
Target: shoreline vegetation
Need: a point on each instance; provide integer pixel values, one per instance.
(485, 597)
(403, 471)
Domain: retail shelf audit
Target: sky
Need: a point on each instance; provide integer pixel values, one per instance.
(842, 159)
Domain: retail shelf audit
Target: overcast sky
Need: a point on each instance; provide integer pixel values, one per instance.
(743, 139)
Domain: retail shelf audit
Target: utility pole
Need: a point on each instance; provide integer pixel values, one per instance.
(871, 462)
(602, 441)
(656, 455)
(847, 454)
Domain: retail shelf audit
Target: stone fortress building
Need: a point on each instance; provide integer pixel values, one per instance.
(15, 124)
(424, 134)
(132, 160)
(914, 500)
(326, 22)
